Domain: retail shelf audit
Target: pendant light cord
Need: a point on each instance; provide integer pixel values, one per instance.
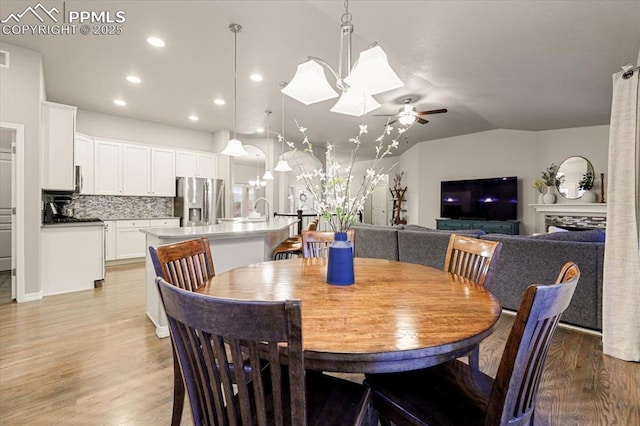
(235, 28)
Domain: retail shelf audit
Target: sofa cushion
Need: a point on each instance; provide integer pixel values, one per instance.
(424, 248)
(590, 236)
(377, 242)
(474, 232)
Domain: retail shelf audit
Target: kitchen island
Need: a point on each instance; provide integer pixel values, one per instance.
(232, 244)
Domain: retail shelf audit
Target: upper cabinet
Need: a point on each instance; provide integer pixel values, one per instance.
(107, 163)
(136, 169)
(83, 159)
(58, 131)
(196, 164)
(163, 172)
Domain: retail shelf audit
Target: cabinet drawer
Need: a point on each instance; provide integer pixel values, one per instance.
(123, 224)
(164, 223)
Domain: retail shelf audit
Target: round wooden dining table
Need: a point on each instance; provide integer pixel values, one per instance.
(396, 317)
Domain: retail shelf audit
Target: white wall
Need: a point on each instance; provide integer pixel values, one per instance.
(121, 128)
(495, 153)
(22, 90)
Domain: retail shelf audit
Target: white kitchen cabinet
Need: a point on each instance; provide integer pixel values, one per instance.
(136, 170)
(107, 163)
(163, 172)
(83, 158)
(110, 239)
(58, 132)
(130, 242)
(165, 223)
(196, 164)
(72, 258)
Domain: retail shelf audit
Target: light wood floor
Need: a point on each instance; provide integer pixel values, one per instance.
(92, 358)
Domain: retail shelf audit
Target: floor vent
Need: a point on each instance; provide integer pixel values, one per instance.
(4, 59)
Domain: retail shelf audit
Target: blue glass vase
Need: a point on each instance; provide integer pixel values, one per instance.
(340, 261)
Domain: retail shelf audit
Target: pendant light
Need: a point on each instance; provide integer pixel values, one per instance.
(283, 165)
(257, 183)
(234, 147)
(267, 173)
(370, 75)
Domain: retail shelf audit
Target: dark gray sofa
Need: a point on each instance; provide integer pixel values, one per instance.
(523, 261)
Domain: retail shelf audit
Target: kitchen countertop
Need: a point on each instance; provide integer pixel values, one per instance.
(70, 224)
(141, 218)
(225, 229)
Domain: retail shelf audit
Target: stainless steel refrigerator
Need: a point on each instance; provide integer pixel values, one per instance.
(199, 201)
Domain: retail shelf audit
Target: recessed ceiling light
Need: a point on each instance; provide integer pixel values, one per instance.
(119, 102)
(260, 130)
(134, 79)
(155, 41)
(194, 117)
(219, 102)
(256, 77)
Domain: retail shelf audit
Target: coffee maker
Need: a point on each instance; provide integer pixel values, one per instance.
(56, 206)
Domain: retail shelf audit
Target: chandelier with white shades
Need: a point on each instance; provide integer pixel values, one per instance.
(369, 76)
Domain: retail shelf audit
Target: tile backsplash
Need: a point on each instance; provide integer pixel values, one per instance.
(108, 207)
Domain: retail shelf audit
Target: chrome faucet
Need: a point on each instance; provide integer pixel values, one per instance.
(266, 204)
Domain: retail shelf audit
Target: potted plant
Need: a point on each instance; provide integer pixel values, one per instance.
(541, 186)
(550, 178)
(585, 185)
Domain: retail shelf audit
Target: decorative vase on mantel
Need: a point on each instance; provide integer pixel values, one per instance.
(540, 197)
(589, 196)
(549, 197)
(340, 261)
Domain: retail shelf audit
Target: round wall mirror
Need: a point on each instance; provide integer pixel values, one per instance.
(570, 173)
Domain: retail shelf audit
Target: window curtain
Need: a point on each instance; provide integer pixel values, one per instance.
(621, 288)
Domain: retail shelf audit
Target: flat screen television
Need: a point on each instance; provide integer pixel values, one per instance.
(484, 199)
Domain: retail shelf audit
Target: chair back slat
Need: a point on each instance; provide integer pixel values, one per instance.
(472, 258)
(316, 243)
(513, 396)
(200, 327)
(187, 264)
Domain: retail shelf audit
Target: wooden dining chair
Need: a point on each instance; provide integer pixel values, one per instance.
(250, 394)
(455, 394)
(316, 243)
(475, 260)
(472, 258)
(188, 265)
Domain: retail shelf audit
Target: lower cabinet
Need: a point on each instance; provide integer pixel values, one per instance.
(71, 258)
(130, 242)
(124, 239)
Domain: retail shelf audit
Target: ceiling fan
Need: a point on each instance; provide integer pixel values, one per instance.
(408, 114)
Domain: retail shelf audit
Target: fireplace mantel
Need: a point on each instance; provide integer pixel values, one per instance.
(599, 209)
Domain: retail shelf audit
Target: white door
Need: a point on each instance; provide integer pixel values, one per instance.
(379, 197)
(6, 186)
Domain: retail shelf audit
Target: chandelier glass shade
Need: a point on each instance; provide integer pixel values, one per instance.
(267, 175)
(369, 76)
(257, 183)
(235, 148)
(407, 115)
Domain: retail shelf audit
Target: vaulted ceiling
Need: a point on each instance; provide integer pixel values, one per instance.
(528, 65)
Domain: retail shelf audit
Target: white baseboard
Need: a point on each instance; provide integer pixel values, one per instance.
(30, 297)
(161, 331)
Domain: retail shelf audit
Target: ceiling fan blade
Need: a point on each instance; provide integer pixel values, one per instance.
(421, 120)
(383, 115)
(391, 122)
(433, 111)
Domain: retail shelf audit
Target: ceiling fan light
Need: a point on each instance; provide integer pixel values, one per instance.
(373, 72)
(235, 149)
(309, 85)
(355, 102)
(406, 119)
(282, 166)
(267, 175)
